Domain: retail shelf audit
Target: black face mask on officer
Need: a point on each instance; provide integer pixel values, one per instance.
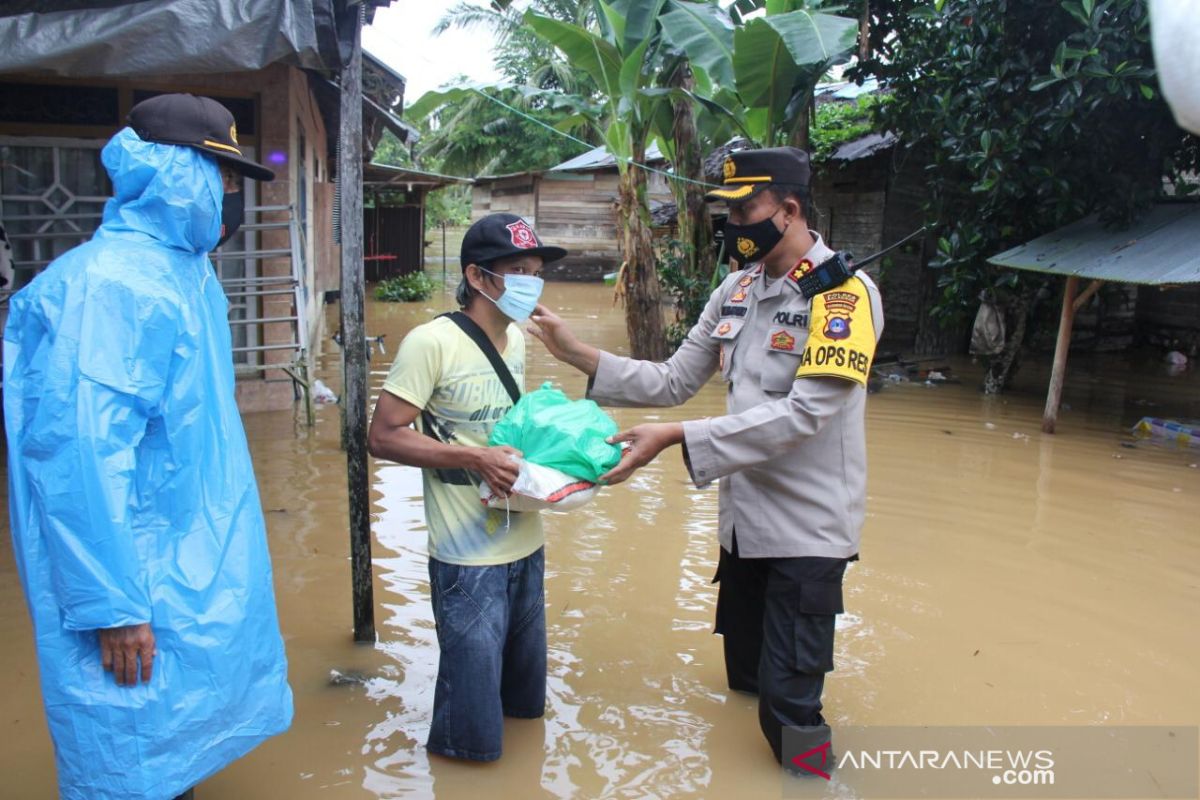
(233, 211)
(753, 242)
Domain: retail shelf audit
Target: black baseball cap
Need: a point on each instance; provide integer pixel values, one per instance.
(748, 172)
(498, 236)
(198, 122)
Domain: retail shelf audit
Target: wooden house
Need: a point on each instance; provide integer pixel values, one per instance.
(574, 205)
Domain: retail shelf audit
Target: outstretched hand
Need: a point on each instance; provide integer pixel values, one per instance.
(550, 329)
(646, 441)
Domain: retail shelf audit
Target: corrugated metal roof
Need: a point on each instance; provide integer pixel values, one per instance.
(1161, 249)
(865, 146)
(845, 90)
(381, 174)
(599, 158)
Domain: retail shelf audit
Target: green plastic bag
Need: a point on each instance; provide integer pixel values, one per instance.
(552, 430)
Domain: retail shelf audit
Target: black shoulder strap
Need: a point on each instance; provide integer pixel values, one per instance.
(481, 340)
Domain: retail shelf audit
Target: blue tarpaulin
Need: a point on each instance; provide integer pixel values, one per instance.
(132, 494)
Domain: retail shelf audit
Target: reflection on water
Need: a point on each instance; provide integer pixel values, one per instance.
(1007, 578)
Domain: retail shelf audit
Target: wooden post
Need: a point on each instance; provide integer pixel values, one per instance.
(354, 344)
(1058, 374)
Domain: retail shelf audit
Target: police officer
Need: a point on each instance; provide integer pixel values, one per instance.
(791, 449)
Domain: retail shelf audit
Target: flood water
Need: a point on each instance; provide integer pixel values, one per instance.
(1007, 578)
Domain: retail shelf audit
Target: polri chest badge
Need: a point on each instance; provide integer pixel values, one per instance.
(784, 341)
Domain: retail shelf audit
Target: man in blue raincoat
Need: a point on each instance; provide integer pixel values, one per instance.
(136, 521)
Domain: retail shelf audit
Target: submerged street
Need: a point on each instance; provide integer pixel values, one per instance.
(1007, 578)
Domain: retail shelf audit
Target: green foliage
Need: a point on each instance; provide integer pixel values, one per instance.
(451, 205)
(522, 57)
(1028, 117)
(470, 134)
(473, 135)
(689, 292)
(759, 72)
(839, 122)
(392, 152)
(410, 288)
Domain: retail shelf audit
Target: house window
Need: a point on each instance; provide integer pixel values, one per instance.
(52, 195)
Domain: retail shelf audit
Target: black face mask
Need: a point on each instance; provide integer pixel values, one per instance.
(233, 211)
(752, 242)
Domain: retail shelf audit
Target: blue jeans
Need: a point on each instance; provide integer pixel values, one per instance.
(491, 628)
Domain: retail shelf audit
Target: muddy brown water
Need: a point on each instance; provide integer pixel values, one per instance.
(1007, 578)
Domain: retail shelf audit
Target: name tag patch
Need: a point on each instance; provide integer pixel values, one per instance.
(792, 319)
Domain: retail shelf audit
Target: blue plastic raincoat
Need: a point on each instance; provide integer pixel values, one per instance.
(132, 495)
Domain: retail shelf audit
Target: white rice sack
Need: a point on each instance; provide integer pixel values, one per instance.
(538, 488)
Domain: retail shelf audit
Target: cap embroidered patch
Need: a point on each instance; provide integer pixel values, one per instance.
(522, 235)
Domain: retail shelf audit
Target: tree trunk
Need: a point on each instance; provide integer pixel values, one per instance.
(1003, 367)
(695, 225)
(864, 32)
(801, 136)
(643, 297)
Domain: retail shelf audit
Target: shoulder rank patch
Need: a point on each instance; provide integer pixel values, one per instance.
(803, 268)
(841, 339)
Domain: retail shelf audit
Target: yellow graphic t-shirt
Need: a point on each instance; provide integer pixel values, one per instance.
(841, 334)
(442, 372)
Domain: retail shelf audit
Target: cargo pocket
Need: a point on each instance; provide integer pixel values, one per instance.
(818, 604)
(779, 371)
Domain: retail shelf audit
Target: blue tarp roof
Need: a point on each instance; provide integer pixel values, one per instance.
(1160, 249)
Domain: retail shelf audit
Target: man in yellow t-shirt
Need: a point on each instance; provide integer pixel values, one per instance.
(485, 566)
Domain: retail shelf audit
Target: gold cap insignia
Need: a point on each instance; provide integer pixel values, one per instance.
(730, 168)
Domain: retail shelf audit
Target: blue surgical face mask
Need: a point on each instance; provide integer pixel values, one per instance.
(520, 296)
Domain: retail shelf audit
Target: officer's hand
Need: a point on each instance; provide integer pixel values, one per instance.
(497, 467)
(561, 341)
(645, 442)
(122, 648)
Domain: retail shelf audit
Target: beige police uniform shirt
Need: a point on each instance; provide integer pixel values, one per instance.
(790, 452)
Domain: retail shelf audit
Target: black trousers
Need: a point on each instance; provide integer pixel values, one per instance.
(777, 619)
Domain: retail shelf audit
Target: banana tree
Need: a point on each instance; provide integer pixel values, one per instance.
(620, 57)
(759, 72)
